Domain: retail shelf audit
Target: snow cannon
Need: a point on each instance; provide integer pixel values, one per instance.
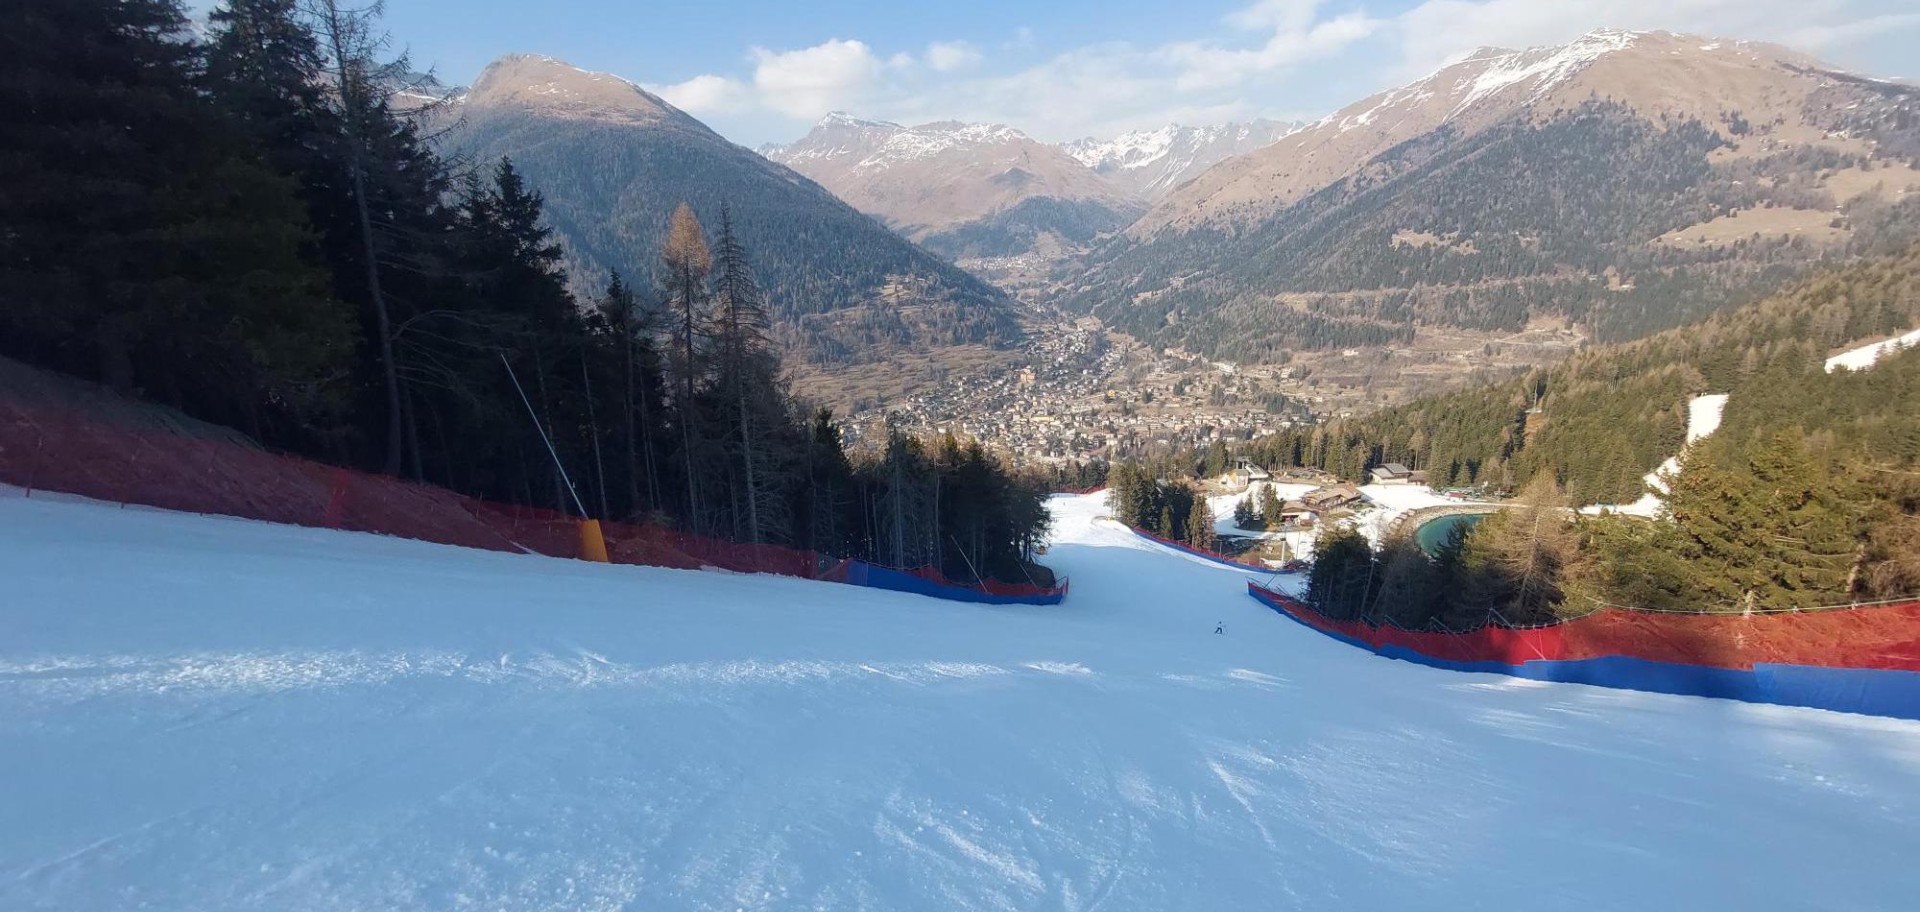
(593, 545)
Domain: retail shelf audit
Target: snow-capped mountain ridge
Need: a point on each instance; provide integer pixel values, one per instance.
(1485, 73)
(1155, 161)
(1652, 71)
(932, 180)
(1543, 68)
(912, 144)
(843, 119)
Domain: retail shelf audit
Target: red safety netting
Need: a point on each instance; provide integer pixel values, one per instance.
(61, 435)
(1871, 636)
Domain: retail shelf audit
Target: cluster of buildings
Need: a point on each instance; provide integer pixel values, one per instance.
(1074, 400)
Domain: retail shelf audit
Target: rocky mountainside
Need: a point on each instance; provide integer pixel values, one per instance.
(1625, 182)
(1153, 162)
(964, 190)
(614, 160)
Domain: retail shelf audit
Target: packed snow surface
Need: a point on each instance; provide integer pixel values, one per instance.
(204, 714)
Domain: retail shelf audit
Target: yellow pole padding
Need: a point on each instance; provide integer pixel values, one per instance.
(593, 545)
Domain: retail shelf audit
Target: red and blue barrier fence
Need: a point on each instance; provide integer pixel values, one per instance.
(928, 582)
(1862, 660)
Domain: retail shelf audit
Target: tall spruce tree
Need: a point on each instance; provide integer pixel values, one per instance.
(1200, 525)
(632, 325)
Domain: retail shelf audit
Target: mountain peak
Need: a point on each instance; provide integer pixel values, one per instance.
(559, 88)
(843, 119)
(1625, 36)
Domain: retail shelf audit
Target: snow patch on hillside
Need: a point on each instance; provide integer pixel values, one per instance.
(1867, 355)
(1703, 418)
(1704, 414)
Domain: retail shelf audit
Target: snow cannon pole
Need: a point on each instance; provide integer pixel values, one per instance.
(593, 545)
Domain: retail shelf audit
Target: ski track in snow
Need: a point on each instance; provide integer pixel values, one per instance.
(211, 714)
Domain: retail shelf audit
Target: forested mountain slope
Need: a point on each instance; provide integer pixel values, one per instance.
(1599, 421)
(1807, 495)
(613, 161)
(1627, 182)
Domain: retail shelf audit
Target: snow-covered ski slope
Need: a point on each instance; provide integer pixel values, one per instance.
(207, 714)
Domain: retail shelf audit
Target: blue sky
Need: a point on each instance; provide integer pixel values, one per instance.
(1060, 69)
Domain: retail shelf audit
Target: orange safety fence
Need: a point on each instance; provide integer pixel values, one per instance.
(63, 435)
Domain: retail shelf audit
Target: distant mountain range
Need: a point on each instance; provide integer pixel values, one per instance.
(614, 160)
(1626, 182)
(963, 190)
(972, 191)
(1153, 162)
(1621, 183)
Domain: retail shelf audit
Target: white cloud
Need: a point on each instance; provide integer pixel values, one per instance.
(809, 82)
(948, 56)
(1278, 15)
(1297, 38)
(707, 94)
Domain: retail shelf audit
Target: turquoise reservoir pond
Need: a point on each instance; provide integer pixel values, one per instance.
(1433, 533)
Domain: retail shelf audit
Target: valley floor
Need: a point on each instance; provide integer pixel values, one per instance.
(203, 713)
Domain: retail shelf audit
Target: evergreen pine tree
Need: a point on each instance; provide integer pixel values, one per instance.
(1200, 526)
(1244, 514)
(142, 239)
(1271, 508)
